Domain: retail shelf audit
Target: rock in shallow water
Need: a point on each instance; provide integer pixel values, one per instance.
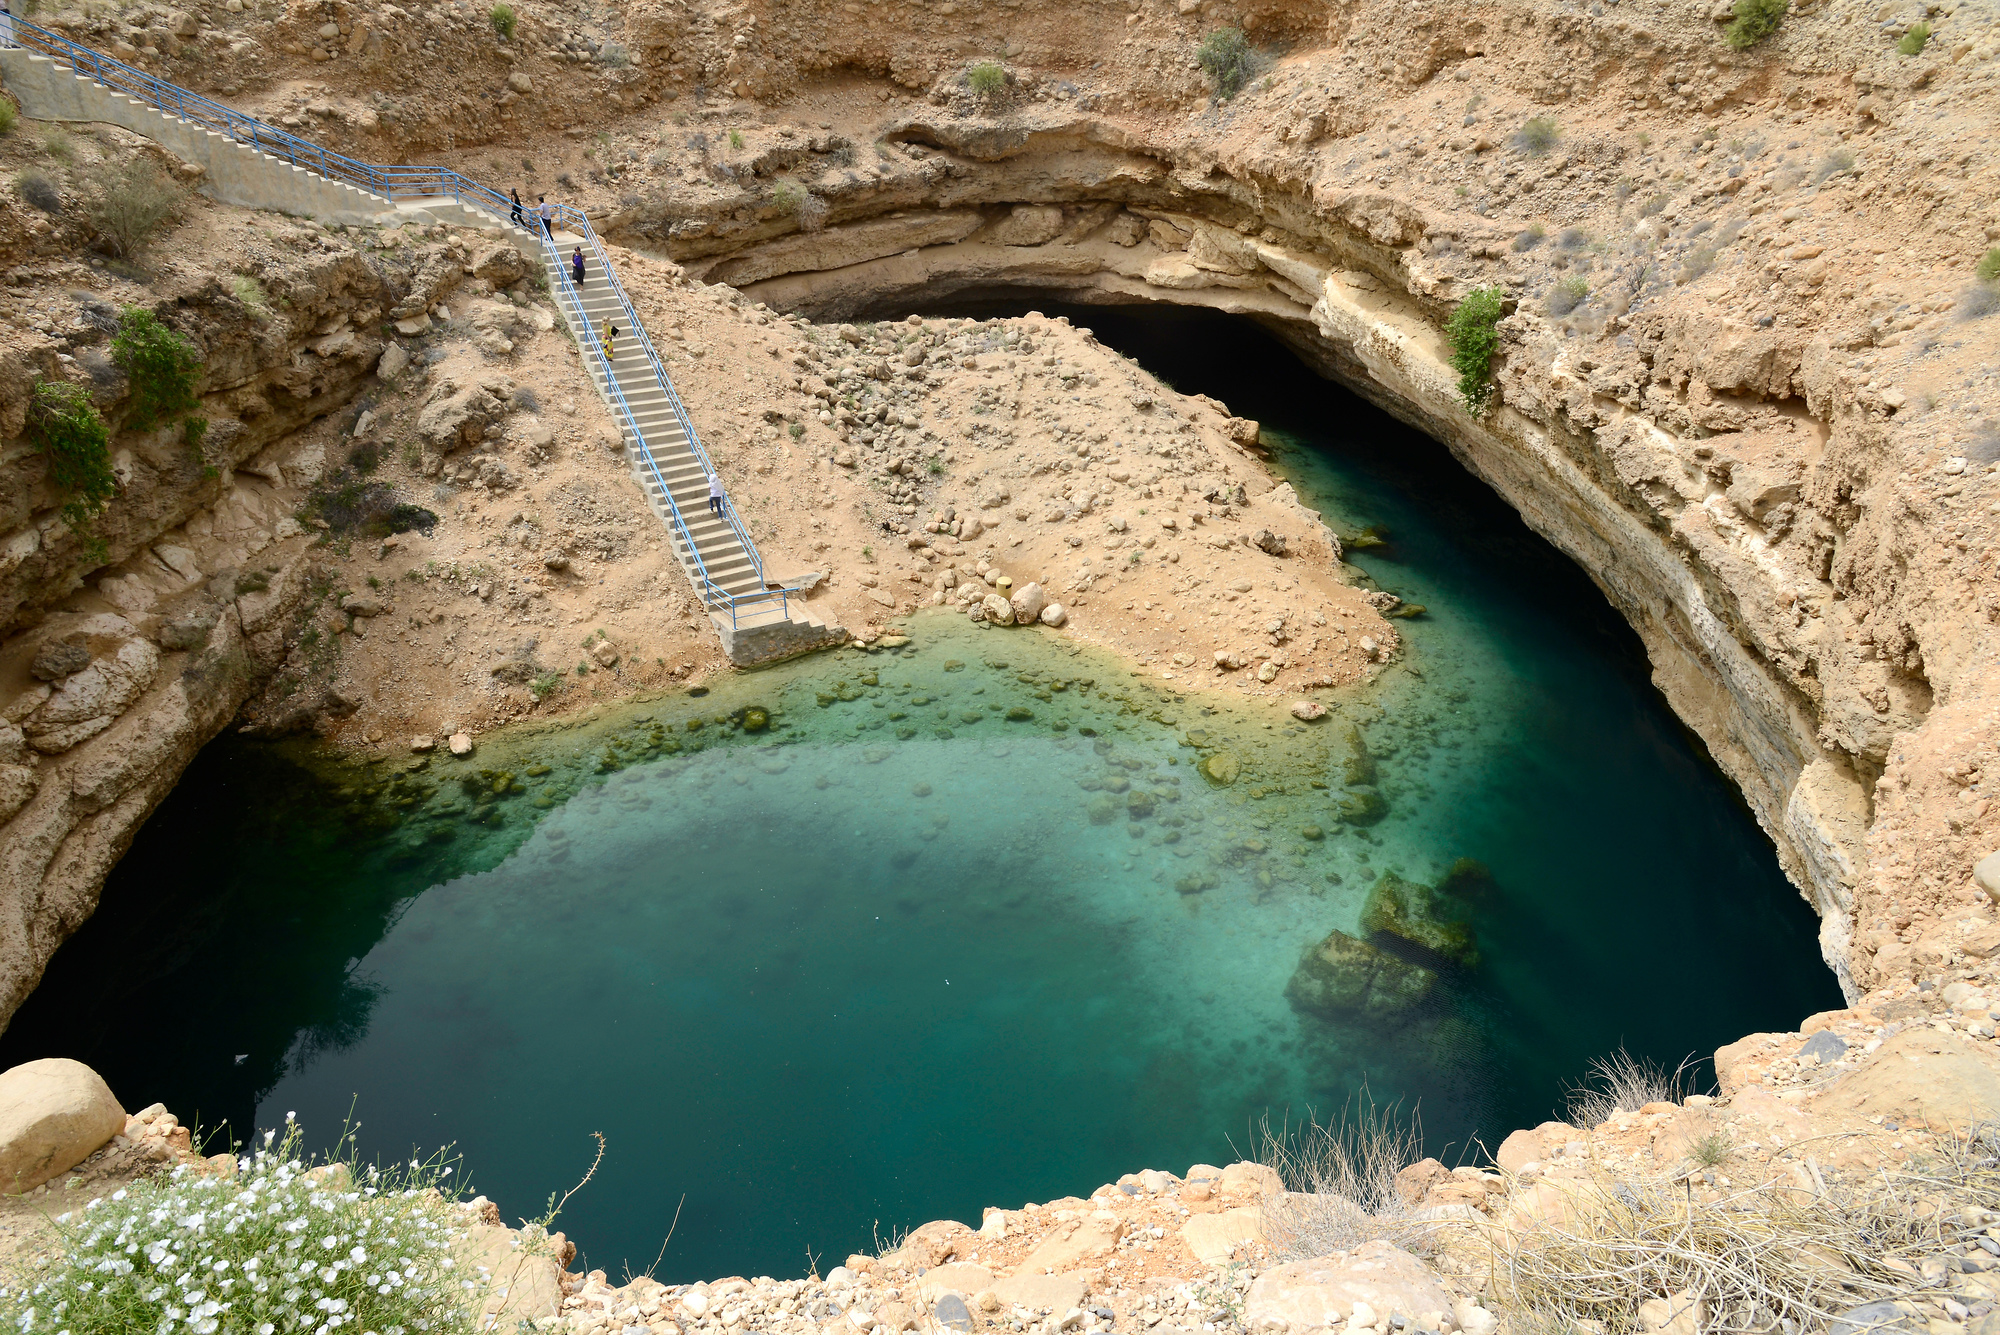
(1342, 978)
(1409, 912)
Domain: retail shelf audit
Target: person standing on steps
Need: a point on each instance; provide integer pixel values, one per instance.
(547, 213)
(576, 265)
(516, 217)
(715, 493)
(609, 339)
(6, 24)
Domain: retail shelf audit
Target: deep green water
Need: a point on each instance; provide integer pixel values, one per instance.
(878, 964)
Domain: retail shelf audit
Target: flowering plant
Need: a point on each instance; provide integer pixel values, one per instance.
(285, 1246)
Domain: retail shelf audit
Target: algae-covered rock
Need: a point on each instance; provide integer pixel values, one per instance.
(1348, 757)
(1469, 882)
(1343, 978)
(755, 719)
(1361, 805)
(1409, 912)
(1104, 810)
(1220, 768)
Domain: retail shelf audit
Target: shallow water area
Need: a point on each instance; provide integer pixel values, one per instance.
(965, 924)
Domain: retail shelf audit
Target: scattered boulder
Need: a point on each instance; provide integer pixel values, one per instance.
(1361, 805)
(500, 263)
(1271, 544)
(88, 701)
(1220, 768)
(423, 745)
(1987, 873)
(1243, 431)
(1214, 1238)
(363, 605)
(189, 629)
(997, 610)
(60, 658)
(1054, 614)
(1027, 225)
(54, 1114)
(1049, 1293)
(1350, 759)
(394, 359)
(1342, 978)
(1309, 1295)
(1920, 1075)
(1407, 911)
(460, 743)
(1308, 710)
(1028, 602)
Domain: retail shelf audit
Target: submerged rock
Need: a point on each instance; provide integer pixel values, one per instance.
(1363, 805)
(1408, 912)
(1220, 768)
(1349, 758)
(1343, 978)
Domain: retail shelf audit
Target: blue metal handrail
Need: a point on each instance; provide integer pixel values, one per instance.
(574, 219)
(418, 181)
(583, 227)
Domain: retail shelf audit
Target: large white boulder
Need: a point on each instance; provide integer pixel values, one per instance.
(1307, 1295)
(1028, 601)
(54, 1114)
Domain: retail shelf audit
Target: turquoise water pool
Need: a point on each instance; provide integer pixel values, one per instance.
(901, 955)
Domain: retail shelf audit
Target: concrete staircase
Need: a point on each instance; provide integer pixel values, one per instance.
(233, 171)
(756, 622)
(253, 165)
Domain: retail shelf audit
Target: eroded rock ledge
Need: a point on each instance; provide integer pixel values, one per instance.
(1736, 478)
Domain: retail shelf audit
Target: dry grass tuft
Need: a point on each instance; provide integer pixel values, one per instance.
(1624, 1083)
(1340, 1183)
(1777, 1256)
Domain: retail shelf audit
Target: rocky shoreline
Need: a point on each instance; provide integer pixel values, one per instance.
(1802, 1121)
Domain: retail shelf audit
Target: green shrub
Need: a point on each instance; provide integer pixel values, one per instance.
(1474, 338)
(251, 293)
(1755, 20)
(1988, 267)
(1530, 237)
(546, 685)
(1225, 59)
(286, 1245)
(63, 419)
(9, 113)
(505, 20)
(57, 144)
(164, 369)
(1567, 295)
(736, 139)
(987, 79)
(1537, 136)
(129, 203)
(1914, 40)
(793, 198)
(614, 56)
